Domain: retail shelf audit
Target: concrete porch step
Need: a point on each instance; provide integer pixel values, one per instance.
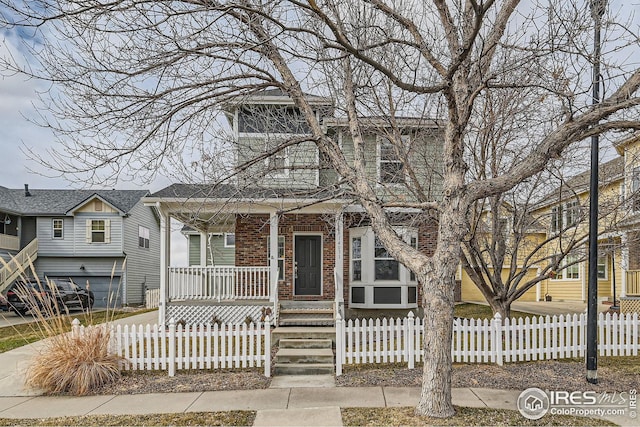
(296, 356)
(302, 332)
(305, 321)
(327, 311)
(304, 368)
(305, 343)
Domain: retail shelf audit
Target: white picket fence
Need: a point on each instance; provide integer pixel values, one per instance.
(191, 347)
(152, 298)
(485, 341)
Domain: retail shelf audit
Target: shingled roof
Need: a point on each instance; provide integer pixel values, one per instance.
(60, 202)
(609, 172)
(226, 191)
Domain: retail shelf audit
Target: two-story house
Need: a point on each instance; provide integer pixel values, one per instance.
(83, 235)
(283, 232)
(562, 216)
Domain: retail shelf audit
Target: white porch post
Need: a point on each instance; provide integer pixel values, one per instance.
(165, 261)
(203, 248)
(624, 264)
(339, 263)
(273, 258)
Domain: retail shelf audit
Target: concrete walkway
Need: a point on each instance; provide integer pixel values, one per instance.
(295, 400)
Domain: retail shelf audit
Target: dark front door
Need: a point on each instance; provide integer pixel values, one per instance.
(308, 267)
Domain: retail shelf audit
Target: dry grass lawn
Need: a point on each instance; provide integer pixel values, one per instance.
(464, 417)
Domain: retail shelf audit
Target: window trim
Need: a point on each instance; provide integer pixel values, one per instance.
(561, 274)
(276, 173)
(635, 189)
(606, 267)
(54, 228)
(90, 231)
(380, 141)
(145, 240)
(281, 272)
(226, 245)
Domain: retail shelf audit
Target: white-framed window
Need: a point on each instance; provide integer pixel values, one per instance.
(385, 267)
(277, 164)
(370, 261)
(603, 267)
(572, 213)
(556, 218)
(57, 226)
(569, 268)
(356, 259)
(280, 255)
(229, 240)
(565, 215)
(143, 237)
(390, 165)
(98, 231)
(635, 189)
(413, 241)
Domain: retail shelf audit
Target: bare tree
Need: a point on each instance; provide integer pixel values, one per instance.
(135, 82)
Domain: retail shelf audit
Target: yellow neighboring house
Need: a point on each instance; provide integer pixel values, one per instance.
(561, 219)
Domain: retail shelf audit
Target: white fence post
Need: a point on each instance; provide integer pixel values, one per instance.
(496, 338)
(75, 328)
(339, 343)
(172, 347)
(409, 340)
(267, 346)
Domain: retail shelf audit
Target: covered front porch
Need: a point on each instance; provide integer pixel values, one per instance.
(269, 263)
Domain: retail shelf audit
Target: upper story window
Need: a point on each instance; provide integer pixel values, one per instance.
(229, 240)
(356, 259)
(58, 228)
(143, 237)
(280, 255)
(565, 215)
(635, 189)
(270, 119)
(98, 231)
(390, 165)
(277, 164)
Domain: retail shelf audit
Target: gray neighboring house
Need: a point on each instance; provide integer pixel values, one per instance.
(85, 235)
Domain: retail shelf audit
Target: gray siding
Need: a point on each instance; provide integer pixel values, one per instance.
(220, 254)
(194, 249)
(425, 157)
(303, 164)
(143, 265)
(75, 242)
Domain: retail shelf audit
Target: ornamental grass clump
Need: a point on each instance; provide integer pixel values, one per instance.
(75, 363)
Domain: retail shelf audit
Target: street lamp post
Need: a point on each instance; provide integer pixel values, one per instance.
(597, 11)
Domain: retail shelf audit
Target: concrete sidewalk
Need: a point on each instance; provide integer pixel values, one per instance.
(290, 401)
(275, 406)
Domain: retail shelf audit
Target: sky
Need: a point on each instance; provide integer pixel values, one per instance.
(18, 134)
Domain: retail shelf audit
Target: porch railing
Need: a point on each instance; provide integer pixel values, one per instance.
(9, 242)
(633, 283)
(219, 283)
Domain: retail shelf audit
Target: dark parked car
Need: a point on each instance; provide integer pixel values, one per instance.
(65, 294)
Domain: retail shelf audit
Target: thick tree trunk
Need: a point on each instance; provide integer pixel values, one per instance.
(500, 306)
(438, 302)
